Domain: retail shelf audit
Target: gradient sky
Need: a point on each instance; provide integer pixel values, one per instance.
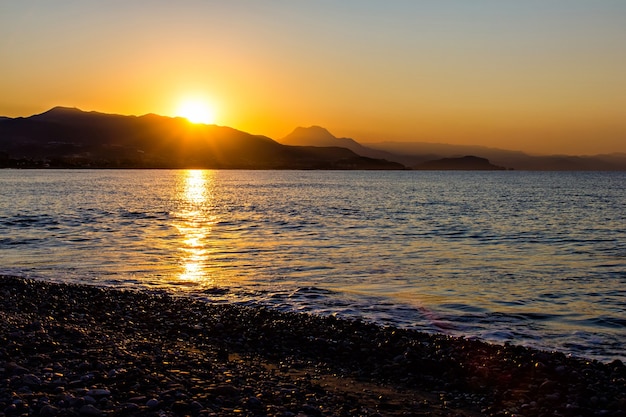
(543, 76)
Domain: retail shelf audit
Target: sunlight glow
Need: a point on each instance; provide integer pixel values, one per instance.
(195, 186)
(195, 225)
(196, 111)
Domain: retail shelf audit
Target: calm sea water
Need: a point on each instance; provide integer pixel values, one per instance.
(533, 258)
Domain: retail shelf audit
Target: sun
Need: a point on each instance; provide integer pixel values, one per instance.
(196, 111)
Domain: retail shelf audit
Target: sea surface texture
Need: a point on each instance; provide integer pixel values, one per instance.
(532, 258)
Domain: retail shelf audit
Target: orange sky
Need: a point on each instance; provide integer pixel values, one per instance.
(539, 76)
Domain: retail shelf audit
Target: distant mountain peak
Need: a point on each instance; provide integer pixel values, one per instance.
(317, 136)
(321, 137)
(61, 110)
(62, 114)
(311, 132)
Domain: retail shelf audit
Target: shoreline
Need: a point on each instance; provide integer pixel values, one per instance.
(69, 349)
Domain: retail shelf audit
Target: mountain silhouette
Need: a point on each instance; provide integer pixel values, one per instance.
(415, 154)
(425, 151)
(319, 136)
(69, 137)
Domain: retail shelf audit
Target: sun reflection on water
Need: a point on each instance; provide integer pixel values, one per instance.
(195, 222)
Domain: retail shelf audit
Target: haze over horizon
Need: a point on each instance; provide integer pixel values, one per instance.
(536, 76)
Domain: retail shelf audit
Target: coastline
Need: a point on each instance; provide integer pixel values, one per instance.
(69, 350)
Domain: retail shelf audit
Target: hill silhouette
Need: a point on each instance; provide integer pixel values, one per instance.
(415, 154)
(319, 136)
(69, 137)
(511, 159)
(465, 163)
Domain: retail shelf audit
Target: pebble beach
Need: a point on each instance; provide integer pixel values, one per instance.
(77, 350)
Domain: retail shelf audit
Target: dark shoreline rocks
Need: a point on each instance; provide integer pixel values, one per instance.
(72, 350)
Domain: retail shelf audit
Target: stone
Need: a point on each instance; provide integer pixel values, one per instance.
(180, 407)
(195, 406)
(99, 392)
(89, 410)
(48, 411)
(15, 369)
(138, 400)
(547, 385)
(254, 403)
(128, 408)
(226, 390)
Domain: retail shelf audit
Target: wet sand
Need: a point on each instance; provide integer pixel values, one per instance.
(71, 350)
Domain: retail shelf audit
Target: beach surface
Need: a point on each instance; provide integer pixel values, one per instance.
(75, 350)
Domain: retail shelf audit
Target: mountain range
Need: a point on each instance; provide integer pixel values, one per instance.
(69, 137)
(418, 155)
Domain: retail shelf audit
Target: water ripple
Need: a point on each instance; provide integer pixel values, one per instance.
(530, 258)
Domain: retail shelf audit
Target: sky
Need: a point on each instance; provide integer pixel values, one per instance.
(541, 76)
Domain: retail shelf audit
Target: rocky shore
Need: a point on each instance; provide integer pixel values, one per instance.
(70, 350)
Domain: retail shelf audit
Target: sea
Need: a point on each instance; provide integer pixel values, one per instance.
(529, 258)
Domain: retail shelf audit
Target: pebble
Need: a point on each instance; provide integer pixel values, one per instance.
(254, 403)
(547, 385)
(99, 392)
(226, 390)
(128, 408)
(89, 399)
(148, 355)
(195, 406)
(48, 411)
(89, 410)
(152, 403)
(137, 400)
(14, 369)
(180, 407)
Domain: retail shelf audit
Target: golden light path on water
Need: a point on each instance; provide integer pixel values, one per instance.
(195, 222)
